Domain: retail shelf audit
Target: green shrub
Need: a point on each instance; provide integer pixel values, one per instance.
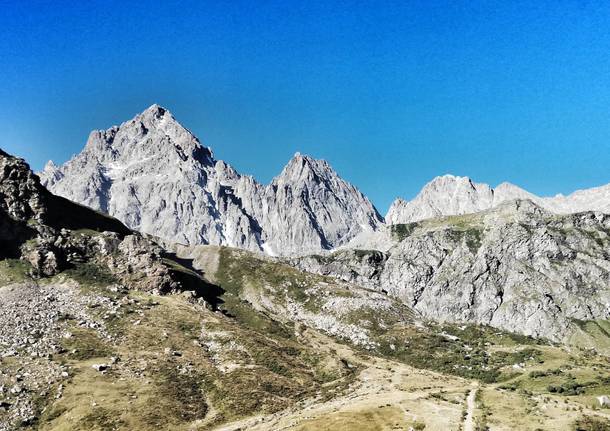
(418, 426)
(589, 423)
(91, 274)
(402, 231)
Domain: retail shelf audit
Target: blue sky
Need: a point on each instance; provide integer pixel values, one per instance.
(390, 93)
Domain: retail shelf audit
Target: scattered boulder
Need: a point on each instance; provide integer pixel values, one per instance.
(100, 367)
(604, 401)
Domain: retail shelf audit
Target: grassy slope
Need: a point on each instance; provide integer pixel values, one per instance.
(224, 368)
(252, 363)
(190, 388)
(507, 363)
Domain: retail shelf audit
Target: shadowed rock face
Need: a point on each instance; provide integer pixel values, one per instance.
(30, 212)
(54, 234)
(24, 200)
(19, 202)
(516, 267)
(156, 177)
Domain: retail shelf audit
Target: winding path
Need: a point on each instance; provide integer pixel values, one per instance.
(470, 405)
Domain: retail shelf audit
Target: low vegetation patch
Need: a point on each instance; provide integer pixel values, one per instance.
(590, 423)
(84, 344)
(467, 355)
(239, 270)
(402, 231)
(91, 274)
(179, 393)
(572, 386)
(14, 271)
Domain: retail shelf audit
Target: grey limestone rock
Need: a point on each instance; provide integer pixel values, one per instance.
(452, 195)
(156, 177)
(517, 267)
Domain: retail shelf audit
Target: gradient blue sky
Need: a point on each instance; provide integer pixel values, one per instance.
(390, 93)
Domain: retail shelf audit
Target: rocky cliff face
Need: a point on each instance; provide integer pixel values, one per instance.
(451, 195)
(156, 177)
(516, 267)
(20, 202)
(34, 223)
(53, 234)
(309, 208)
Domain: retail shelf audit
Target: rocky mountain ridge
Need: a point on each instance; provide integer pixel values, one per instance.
(517, 267)
(454, 195)
(156, 177)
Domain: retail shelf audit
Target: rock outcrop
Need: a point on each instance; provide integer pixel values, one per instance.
(53, 234)
(517, 267)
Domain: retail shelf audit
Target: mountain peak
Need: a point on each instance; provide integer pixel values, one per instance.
(156, 110)
(506, 187)
(302, 167)
(50, 166)
(444, 195)
(447, 180)
(51, 171)
(304, 158)
(153, 133)
(314, 209)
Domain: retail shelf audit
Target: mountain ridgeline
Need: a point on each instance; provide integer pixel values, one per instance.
(459, 251)
(451, 195)
(156, 177)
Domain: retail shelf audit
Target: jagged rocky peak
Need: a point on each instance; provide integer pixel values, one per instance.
(318, 180)
(20, 191)
(305, 168)
(152, 140)
(451, 195)
(444, 195)
(449, 181)
(155, 176)
(154, 133)
(311, 208)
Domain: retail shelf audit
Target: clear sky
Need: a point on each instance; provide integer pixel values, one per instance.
(390, 93)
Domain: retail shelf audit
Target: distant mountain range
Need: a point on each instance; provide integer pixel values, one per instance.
(451, 195)
(156, 177)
